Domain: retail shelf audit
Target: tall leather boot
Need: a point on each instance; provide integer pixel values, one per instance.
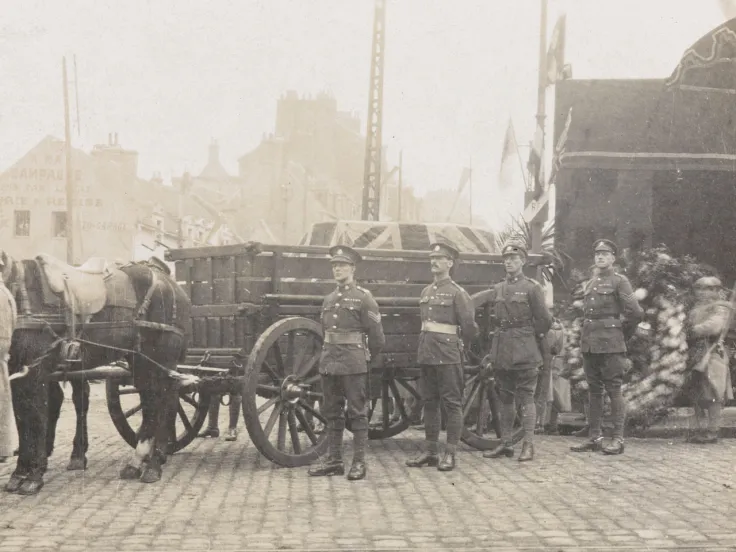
(358, 468)
(334, 464)
(527, 452)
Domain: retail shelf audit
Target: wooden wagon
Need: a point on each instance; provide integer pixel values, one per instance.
(255, 330)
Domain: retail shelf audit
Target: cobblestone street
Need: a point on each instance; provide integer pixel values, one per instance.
(661, 494)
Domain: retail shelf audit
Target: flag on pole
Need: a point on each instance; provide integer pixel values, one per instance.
(510, 150)
(556, 51)
(560, 148)
(534, 165)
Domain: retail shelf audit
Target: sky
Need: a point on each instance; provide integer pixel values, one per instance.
(171, 75)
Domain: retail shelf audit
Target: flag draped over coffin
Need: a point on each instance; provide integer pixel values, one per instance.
(364, 234)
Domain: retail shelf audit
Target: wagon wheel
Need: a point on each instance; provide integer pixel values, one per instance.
(394, 388)
(124, 406)
(281, 390)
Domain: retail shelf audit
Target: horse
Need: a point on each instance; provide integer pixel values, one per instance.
(74, 319)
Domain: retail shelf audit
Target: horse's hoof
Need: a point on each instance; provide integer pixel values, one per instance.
(14, 483)
(129, 472)
(77, 464)
(30, 487)
(151, 475)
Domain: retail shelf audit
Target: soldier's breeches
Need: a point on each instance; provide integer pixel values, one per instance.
(442, 384)
(604, 373)
(345, 392)
(516, 387)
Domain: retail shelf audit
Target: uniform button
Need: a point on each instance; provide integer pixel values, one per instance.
(334, 316)
(333, 327)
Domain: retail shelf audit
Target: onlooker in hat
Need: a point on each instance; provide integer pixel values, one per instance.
(516, 354)
(350, 317)
(607, 297)
(709, 380)
(448, 320)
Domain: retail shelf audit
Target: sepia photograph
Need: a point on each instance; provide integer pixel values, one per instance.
(367, 275)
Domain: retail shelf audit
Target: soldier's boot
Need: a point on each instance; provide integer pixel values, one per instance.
(504, 449)
(428, 458)
(358, 468)
(334, 464)
(210, 432)
(527, 452)
(616, 446)
(448, 459)
(14, 483)
(594, 444)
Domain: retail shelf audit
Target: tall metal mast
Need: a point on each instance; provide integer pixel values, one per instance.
(372, 170)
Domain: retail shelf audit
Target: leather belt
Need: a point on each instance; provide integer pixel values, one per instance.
(507, 325)
(344, 338)
(438, 327)
(602, 316)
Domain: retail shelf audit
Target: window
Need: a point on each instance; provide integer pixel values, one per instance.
(58, 224)
(22, 224)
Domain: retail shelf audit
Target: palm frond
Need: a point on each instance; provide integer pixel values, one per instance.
(555, 258)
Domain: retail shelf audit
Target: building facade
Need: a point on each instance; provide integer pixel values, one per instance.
(115, 214)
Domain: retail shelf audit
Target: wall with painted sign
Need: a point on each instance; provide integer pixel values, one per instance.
(33, 205)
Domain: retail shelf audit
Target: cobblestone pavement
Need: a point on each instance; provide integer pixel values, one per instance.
(220, 496)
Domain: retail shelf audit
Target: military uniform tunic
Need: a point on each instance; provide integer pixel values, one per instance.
(350, 309)
(522, 315)
(608, 295)
(445, 302)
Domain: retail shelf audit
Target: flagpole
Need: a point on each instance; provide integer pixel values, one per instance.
(470, 188)
(536, 225)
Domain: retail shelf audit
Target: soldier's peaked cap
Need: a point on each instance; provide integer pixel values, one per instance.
(513, 248)
(443, 250)
(344, 254)
(605, 245)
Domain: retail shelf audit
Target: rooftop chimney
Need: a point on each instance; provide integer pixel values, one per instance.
(214, 156)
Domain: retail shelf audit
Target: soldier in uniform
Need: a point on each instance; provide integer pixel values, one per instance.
(607, 296)
(523, 321)
(708, 382)
(349, 317)
(448, 319)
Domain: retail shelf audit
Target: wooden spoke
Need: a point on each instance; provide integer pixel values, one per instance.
(409, 388)
(289, 367)
(271, 422)
(397, 398)
(279, 359)
(471, 400)
(184, 419)
(281, 442)
(270, 371)
(313, 412)
(481, 408)
(301, 351)
(384, 404)
(189, 400)
(306, 426)
(268, 404)
(294, 432)
(128, 391)
(128, 413)
(312, 379)
(305, 368)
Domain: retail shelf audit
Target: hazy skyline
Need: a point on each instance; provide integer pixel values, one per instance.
(169, 76)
